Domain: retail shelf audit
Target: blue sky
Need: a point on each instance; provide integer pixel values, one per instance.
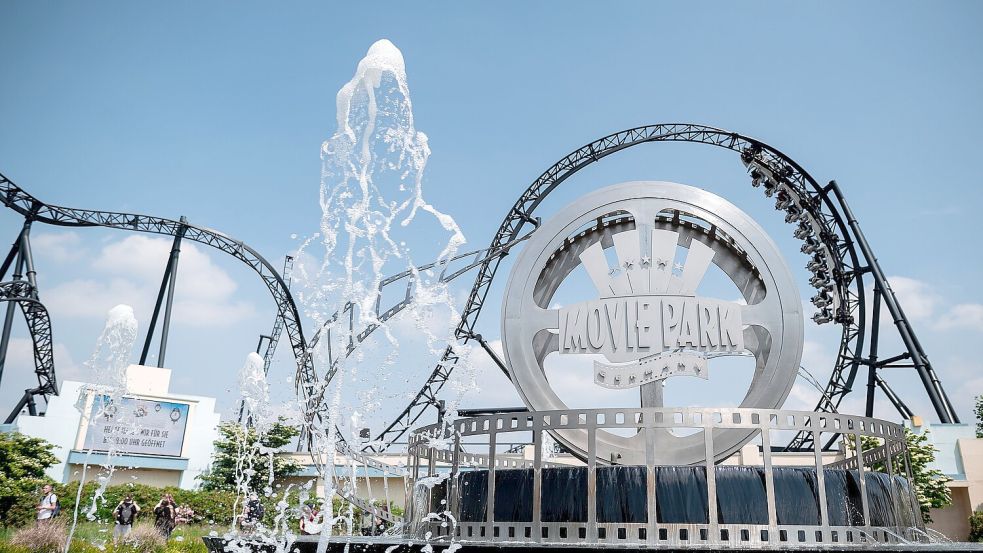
(217, 112)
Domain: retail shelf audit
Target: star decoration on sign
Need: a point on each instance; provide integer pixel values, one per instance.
(662, 263)
(646, 261)
(628, 264)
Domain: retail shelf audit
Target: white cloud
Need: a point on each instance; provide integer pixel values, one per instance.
(480, 382)
(59, 247)
(93, 298)
(802, 397)
(817, 356)
(916, 298)
(963, 315)
(205, 293)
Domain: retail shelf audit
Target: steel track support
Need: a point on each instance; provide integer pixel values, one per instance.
(8, 323)
(930, 381)
(21, 250)
(28, 400)
(896, 401)
(167, 284)
(872, 358)
(491, 353)
(11, 256)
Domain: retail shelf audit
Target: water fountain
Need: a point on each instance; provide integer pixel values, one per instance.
(102, 398)
(652, 476)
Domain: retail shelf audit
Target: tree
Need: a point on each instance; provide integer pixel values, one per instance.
(242, 457)
(979, 416)
(23, 461)
(930, 484)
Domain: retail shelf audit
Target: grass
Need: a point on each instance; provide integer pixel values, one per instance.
(90, 535)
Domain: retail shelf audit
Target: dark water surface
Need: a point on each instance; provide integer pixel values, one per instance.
(681, 496)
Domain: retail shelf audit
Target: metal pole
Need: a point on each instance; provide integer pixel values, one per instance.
(28, 257)
(441, 411)
(894, 399)
(20, 405)
(8, 321)
(175, 254)
(32, 408)
(11, 255)
(872, 358)
(491, 353)
(153, 318)
(930, 380)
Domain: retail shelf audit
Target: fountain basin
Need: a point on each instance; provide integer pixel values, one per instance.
(341, 544)
(682, 498)
(466, 488)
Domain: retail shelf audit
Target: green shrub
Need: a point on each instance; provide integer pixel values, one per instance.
(18, 501)
(210, 507)
(23, 460)
(976, 526)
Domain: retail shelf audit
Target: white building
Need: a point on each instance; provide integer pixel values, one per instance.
(170, 445)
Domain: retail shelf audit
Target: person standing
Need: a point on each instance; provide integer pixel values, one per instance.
(126, 512)
(165, 516)
(48, 506)
(253, 514)
(308, 520)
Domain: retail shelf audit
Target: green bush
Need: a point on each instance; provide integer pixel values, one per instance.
(18, 501)
(212, 508)
(976, 526)
(23, 460)
(208, 506)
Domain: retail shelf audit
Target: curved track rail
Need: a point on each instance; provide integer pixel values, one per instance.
(288, 317)
(379, 317)
(828, 234)
(839, 261)
(35, 210)
(39, 325)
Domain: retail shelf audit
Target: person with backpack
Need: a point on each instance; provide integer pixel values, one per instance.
(126, 512)
(48, 506)
(165, 515)
(253, 514)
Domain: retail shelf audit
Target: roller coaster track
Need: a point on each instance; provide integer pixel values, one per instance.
(830, 235)
(35, 210)
(449, 271)
(278, 322)
(39, 325)
(840, 258)
(288, 317)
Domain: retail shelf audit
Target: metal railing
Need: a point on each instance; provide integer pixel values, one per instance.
(440, 454)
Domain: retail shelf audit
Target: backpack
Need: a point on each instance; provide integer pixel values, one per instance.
(57, 504)
(124, 514)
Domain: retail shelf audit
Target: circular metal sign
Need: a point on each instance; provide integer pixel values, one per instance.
(645, 320)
